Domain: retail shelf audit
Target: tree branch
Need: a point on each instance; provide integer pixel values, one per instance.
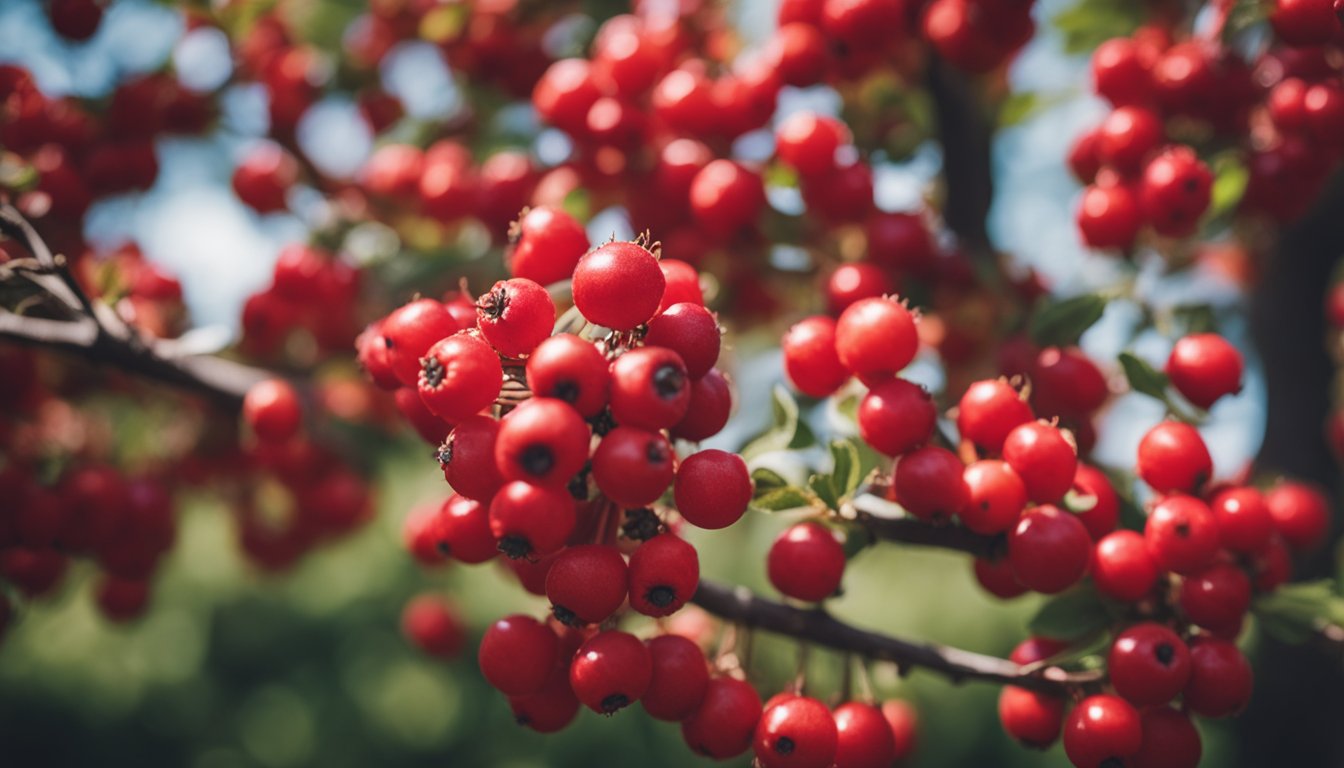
(965, 135)
(741, 606)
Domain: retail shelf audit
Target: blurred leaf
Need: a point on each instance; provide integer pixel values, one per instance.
(822, 486)
(1072, 615)
(1022, 106)
(780, 175)
(1062, 322)
(1143, 377)
(767, 480)
(444, 23)
(782, 499)
(1244, 15)
(857, 539)
(578, 204)
(1090, 23)
(1230, 177)
(1196, 318)
(1294, 612)
(847, 472)
(787, 428)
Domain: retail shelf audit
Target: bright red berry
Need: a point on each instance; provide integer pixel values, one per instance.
(1044, 458)
(1182, 534)
(810, 359)
(808, 141)
(798, 732)
(271, 409)
(1204, 367)
(460, 376)
(1102, 731)
(876, 337)
(467, 458)
(664, 574)
(1030, 717)
(680, 678)
(1173, 458)
(1148, 664)
(726, 196)
(618, 285)
(1244, 521)
(1301, 514)
(864, 739)
(515, 316)
(530, 520)
(611, 671)
(516, 655)
(433, 625)
(1109, 215)
(929, 484)
(691, 331)
(1217, 597)
(1175, 191)
(568, 368)
(988, 411)
(1049, 549)
(712, 488)
(896, 417)
(547, 244)
(996, 496)
(806, 562)
(997, 578)
(650, 388)
(633, 467)
(410, 330)
(543, 441)
(586, 584)
(1122, 566)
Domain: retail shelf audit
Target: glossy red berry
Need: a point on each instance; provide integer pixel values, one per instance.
(467, 458)
(1148, 664)
(564, 94)
(810, 359)
(408, 333)
(1170, 740)
(996, 496)
(1034, 719)
(712, 488)
(988, 411)
(864, 739)
(517, 654)
(1182, 534)
(876, 337)
(271, 410)
(547, 244)
(854, 282)
(1127, 136)
(683, 284)
(997, 578)
(463, 530)
(650, 388)
(550, 709)
(1217, 597)
(797, 732)
(1301, 514)
(806, 562)
(460, 376)
(808, 142)
(1044, 458)
(529, 520)
(680, 678)
(1302, 23)
(664, 574)
(633, 467)
(586, 584)
(1102, 731)
(1220, 678)
(1204, 367)
(515, 316)
(618, 285)
(864, 24)
(1120, 71)
(543, 441)
(928, 483)
(903, 720)
(264, 177)
(1109, 215)
(726, 196)
(566, 367)
(1175, 191)
(1173, 458)
(1049, 549)
(611, 671)
(1104, 514)
(1244, 522)
(691, 331)
(711, 405)
(1122, 566)
(431, 623)
(726, 720)
(1065, 382)
(896, 417)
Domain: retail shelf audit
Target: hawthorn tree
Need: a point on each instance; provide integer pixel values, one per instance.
(574, 392)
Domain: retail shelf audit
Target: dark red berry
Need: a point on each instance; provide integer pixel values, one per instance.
(928, 483)
(664, 573)
(611, 671)
(1170, 740)
(726, 720)
(517, 654)
(553, 707)
(997, 578)
(529, 520)
(806, 562)
(1220, 678)
(633, 467)
(1216, 597)
(1049, 549)
(1148, 664)
(543, 441)
(586, 584)
(797, 732)
(712, 489)
(650, 388)
(680, 678)
(711, 405)
(1101, 732)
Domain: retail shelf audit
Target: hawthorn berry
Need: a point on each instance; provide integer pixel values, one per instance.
(712, 488)
(547, 244)
(876, 337)
(1030, 717)
(1104, 514)
(997, 578)
(1182, 534)
(1127, 136)
(264, 177)
(1110, 215)
(1216, 597)
(566, 367)
(121, 599)
(271, 410)
(586, 584)
(864, 738)
(618, 285)
(529, 520)
(796, 732)
(1244, 521)
(724, 724)
(680, 678)
(650, 388)
(863, 24)
(806, 562)
(929, 484)
(1102, 731)
(1175, 191)
(1120, 71)
(1204, 367)
(462, 530)
(564, 93)
(691, 331)
(1220, 678)
(996, 496)
(433, 626)
(408, 333)
(431, 428)
(611, 671)
(988, 411)
(515, 316)
(896, 417)
(1148, 664)
(726, 196)
(1065, 382)
(1301, 23)
(1044, 458)
(710, 406)
(808, 142)
(633, 467)
(682, 284)
(460, 376)
(1123, 568)
(854, 282)
(467, 458)
(516, 655)
(1170, 740)
(810, 359)
(1301, 514)
(1049, 549)
(542, 441)
(551, 708)
(664, 573)
(1173, 458)
(903, 720)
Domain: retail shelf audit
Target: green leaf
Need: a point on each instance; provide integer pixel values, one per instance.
(787, 431)
(782, 499)
(1293, 612)
(578, 204)
(1062, 322)
(847, 472)
(857, 539)
(822, 486)
(1021, 106)
(1090, 23)
(767, 480)
(1143, 377)
(1230, 177)
(781, 175)
(1072, 615)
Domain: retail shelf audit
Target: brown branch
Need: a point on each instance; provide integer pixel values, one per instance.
(965, 134)
(954, 537)
(741, 606)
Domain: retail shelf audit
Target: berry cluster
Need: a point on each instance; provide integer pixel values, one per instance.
(306, 312)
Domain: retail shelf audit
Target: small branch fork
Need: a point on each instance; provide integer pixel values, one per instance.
(93, 331)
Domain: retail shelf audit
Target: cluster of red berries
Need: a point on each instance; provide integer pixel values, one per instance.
(306, 312)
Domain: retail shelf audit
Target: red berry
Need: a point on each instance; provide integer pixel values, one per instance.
(543, 441)
(726, 720)
(876, 337)
(122, 599)
(864, 739)
(1175, 191)
(1109, 215)
(712, 489)
(797, 732)
(682, 284)
(988, 411)
(1203, 367)
(515, 316)
(1122, 567)
(264, 177)
(810, 359)
(564, 94)
(664, 573)
(459, 377)
(467, 458)
(1272, 567)
(1169, 741)
(547, 244)
(430, 622)
(1029, 717)
(928, 483)
(271, 409)
(1301, 514)
(896, 417)
(409, 332)
(726, 197)
(997, 578)
(1104, 515)
(530, 520)
(373, 357)
(611, 671)
(568, 368)
(1044, 458)
(618, 285)
(1049, 549)
(517, 654)
(650, 388)
(1127, 136)
(1083, 160)
(1182, 534)
(691, 331)
(1148, 664)
(1102, 731)
(901, 241)
(586, 584)
(680, 678)
(850, 283)
(1217, 597)
(904, 723)
(996, 497)
(1244, 521)
(1302, 23)
(1220, 678)
(711, 405)
(463, 528)
(1065, 382)
(801, 54)
(1120, 71)
(75, 20)
(806, 562)
(864, 24)
(550, 709)
(1173, 458)
(808, 142)
(633, 467)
